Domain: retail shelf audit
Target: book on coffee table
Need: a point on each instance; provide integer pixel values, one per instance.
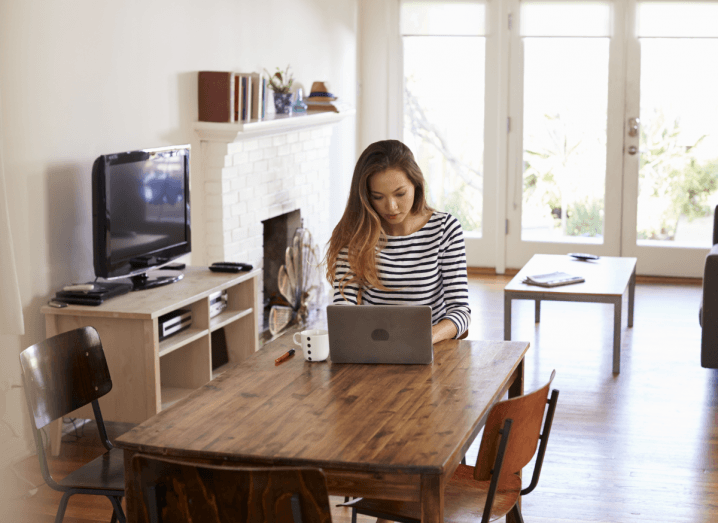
(554, 279)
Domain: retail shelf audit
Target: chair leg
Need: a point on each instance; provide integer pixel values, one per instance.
(117, 514)
(354, 515)
(516, 514)
(63, 506)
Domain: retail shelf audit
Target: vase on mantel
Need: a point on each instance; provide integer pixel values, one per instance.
(283, 103)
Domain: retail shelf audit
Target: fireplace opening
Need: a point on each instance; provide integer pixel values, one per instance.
(278, 234)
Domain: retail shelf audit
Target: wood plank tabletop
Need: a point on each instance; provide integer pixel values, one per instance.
(391, 418)
(607, 276)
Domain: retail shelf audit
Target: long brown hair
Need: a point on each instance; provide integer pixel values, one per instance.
(360, 227)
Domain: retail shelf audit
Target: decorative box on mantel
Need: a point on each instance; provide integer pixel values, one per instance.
(257, 170)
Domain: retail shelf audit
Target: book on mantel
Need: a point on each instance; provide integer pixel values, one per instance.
(553, 279)
(216, 96)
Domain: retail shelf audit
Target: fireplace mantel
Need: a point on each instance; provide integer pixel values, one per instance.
(273, 124)
(250, 172)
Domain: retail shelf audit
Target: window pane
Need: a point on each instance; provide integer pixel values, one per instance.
(444, 121)
(678, 176)
(564, 137)
(539, 18)
(689, 19)
(451, 17)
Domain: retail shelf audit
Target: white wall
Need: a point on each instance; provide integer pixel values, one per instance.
(80, 78)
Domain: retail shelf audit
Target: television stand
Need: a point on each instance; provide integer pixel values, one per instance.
(149, 374)
(143, 281)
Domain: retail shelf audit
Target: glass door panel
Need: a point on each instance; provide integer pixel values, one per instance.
(563, 60)
(444, 49)
(445, 131)
(678, 173)
(671, 160)
(564, 139)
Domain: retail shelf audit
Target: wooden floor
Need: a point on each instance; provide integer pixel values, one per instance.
(641, 446)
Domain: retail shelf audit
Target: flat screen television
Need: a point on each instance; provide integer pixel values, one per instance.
(141, 213)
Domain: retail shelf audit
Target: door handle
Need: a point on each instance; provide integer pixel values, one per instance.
(633, 125)
(632, 149)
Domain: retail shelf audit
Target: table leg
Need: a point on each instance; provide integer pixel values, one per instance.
(432, 499)
(631, 296)
(537, 311)
(617, 335)
(507, 317)
(517, 389)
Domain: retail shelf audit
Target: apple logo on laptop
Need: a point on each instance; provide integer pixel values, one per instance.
(379, 335)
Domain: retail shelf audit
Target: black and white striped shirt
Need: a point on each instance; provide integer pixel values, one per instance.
(427, 267)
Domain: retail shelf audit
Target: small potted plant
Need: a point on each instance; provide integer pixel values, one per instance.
(281, 84)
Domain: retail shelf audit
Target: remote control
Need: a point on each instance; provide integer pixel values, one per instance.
(224, 268)
(240, 265)
(57, 304)
(79, 287)
(174, 266)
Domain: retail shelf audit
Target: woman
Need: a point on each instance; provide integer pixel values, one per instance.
(391, 248)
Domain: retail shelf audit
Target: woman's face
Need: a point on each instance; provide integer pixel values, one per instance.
(391, 193)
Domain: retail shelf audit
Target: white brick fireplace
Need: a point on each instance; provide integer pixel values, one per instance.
(256, 171)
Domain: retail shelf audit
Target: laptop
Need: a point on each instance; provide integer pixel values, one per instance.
(380, 334)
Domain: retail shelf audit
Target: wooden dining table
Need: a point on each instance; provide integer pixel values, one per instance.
(385, 431)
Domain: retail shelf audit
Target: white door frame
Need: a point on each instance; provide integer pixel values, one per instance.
(382, 76)
(518, 252)
(656, 259)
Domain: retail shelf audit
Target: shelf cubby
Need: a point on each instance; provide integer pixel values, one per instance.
(149, 375)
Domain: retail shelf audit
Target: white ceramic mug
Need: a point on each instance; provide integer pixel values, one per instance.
(314, 343)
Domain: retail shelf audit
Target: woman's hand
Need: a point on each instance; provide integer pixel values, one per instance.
(444, 330)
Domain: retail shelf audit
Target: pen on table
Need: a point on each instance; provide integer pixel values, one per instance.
(284, 357)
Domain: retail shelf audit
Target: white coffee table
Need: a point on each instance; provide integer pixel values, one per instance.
(606, 281)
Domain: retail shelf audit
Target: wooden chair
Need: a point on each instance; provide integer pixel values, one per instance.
(492, 488)
(60, 375)
(176, 492)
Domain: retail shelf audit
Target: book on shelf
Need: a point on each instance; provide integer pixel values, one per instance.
(265, 95)
(216, 95)
(258, 86)
(334, 106)
(237, 102)
(553, 279)
(245, 97)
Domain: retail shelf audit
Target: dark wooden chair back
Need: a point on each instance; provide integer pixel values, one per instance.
(174, 491)
(64, 373)
(527, 413)
(61, 374)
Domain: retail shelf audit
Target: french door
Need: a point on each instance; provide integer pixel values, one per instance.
(444, 47)
(613, 141)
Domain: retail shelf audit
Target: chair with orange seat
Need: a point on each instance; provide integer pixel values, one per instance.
(492, 488)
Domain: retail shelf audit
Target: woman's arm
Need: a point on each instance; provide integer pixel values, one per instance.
(452, 264)
(444, 330)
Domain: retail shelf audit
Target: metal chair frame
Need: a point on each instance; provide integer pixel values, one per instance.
(32, 393)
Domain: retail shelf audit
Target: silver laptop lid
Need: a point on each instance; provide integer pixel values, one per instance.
(380, 334)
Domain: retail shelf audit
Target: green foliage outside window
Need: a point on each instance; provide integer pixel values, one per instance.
(672, 178)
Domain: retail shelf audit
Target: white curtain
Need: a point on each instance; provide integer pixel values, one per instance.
(11, 320)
